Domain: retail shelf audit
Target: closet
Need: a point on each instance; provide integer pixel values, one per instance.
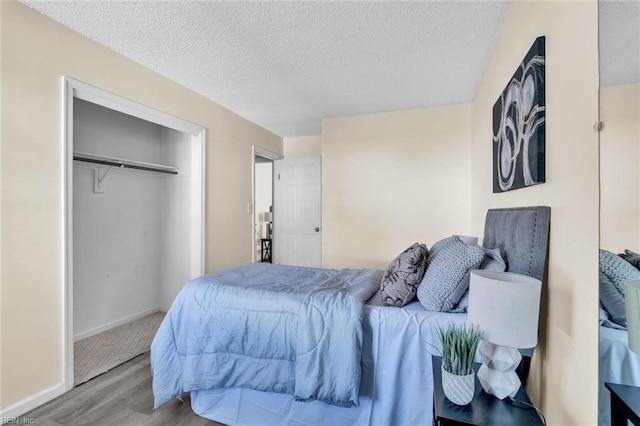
(132, 217)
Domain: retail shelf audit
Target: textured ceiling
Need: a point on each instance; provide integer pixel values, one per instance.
(287, 65)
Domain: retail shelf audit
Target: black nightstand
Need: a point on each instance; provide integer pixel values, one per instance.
(266, 250)
(484, 409)
(625, 404)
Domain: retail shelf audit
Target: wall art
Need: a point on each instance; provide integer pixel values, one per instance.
(519, 124)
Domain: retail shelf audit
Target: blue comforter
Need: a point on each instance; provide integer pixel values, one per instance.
(265, 327)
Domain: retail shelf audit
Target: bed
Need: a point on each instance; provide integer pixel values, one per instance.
(617, 363)
(395, 383)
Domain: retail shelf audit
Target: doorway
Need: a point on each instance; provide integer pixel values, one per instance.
(263, 204)
(105, 179)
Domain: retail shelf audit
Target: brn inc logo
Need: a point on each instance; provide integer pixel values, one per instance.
(17, 421)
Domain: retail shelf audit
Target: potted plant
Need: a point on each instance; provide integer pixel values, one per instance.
(459, 344)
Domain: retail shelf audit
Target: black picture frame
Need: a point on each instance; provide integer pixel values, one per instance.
(519, 125)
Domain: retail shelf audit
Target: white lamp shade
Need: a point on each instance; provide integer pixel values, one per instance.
(632, 302)
(268, 217)
(506, 307)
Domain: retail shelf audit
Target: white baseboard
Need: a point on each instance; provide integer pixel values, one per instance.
(9, 414)
(116, 323)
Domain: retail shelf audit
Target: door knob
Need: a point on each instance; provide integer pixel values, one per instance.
(317, 229)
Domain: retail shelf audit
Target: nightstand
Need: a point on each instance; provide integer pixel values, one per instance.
(484, 409)
(625, 404)
(266, 250)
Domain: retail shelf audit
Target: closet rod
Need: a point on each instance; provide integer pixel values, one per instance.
(119, 162)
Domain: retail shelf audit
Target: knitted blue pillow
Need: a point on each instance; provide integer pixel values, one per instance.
(614, 271)
(444, 281)
(493, 261)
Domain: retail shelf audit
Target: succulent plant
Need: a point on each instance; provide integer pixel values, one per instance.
(459, 344)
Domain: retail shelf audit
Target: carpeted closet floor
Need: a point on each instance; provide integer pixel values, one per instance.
(100, 353)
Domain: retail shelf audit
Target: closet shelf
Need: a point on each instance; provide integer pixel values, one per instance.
(119, 162)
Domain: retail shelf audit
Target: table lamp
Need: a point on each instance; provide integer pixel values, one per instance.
(506, 307)
(632, 302)
(268, 218)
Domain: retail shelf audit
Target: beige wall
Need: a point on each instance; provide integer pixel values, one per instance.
(389, 180)
(36, 53)
(565, 368)
(392, 179)
(619, 167)
(303, 146)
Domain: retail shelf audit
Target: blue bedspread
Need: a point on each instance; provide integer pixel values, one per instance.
(265, 327)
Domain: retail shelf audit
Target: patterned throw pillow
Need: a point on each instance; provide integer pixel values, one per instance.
(633, 258)
(403, 275)
(444, 281)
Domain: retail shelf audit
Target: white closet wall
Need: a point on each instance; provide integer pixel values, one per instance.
(175, 215)
(130, 237)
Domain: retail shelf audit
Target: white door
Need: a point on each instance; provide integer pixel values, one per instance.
(297, 212)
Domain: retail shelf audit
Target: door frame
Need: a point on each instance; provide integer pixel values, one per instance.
(269, 155)
(71, 89)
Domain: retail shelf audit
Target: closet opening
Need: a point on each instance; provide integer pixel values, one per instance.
(134, 221)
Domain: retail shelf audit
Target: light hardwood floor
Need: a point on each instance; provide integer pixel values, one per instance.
(121, 396)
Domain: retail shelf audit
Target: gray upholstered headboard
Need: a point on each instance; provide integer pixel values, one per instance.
(522, 234)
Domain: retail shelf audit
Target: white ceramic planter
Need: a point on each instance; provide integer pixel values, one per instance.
(458, 389)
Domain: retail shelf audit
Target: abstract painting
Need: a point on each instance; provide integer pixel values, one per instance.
(518, 125)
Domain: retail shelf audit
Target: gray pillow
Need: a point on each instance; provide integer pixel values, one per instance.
(493, 261)
(444, 281)
(612, 301)
(614, 271)
(605, 320)
(403, 275)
